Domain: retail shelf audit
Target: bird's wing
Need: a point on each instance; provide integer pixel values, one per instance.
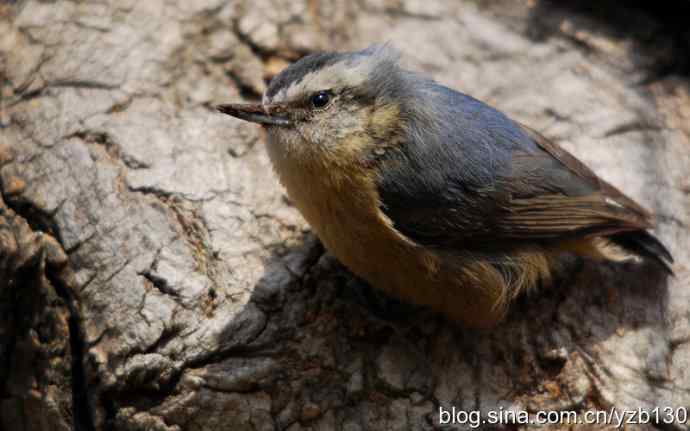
(535, 191)
(551, 193)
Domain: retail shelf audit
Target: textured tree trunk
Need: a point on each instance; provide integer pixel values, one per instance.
(153, 276)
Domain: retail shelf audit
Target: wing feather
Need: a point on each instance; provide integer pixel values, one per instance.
(538, 191)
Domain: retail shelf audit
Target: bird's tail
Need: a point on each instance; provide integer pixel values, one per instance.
(644, 244)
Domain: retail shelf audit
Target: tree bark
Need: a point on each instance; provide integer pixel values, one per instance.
(153, 275)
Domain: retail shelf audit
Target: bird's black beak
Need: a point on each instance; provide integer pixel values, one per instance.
(257, 113)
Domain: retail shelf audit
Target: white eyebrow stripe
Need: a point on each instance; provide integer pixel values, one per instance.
(328, 77)
(343, 69)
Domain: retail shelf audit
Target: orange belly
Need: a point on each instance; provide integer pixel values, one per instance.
(346, 215)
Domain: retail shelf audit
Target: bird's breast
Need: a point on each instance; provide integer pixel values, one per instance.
(343, 208)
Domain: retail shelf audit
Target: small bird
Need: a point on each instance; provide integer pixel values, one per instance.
(430, 194)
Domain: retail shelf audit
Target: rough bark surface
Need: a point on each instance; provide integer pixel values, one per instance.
(153, 275)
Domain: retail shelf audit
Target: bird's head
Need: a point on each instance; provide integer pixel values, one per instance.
(335, 106)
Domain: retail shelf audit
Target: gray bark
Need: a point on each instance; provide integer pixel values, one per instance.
(153, 276)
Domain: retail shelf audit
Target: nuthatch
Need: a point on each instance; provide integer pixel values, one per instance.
(430, 194)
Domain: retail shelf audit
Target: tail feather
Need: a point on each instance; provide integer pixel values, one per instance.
(645, 245)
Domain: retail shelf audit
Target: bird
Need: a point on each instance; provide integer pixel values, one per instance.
(431, 195)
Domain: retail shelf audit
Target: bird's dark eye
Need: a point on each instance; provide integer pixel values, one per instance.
(320, 99)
